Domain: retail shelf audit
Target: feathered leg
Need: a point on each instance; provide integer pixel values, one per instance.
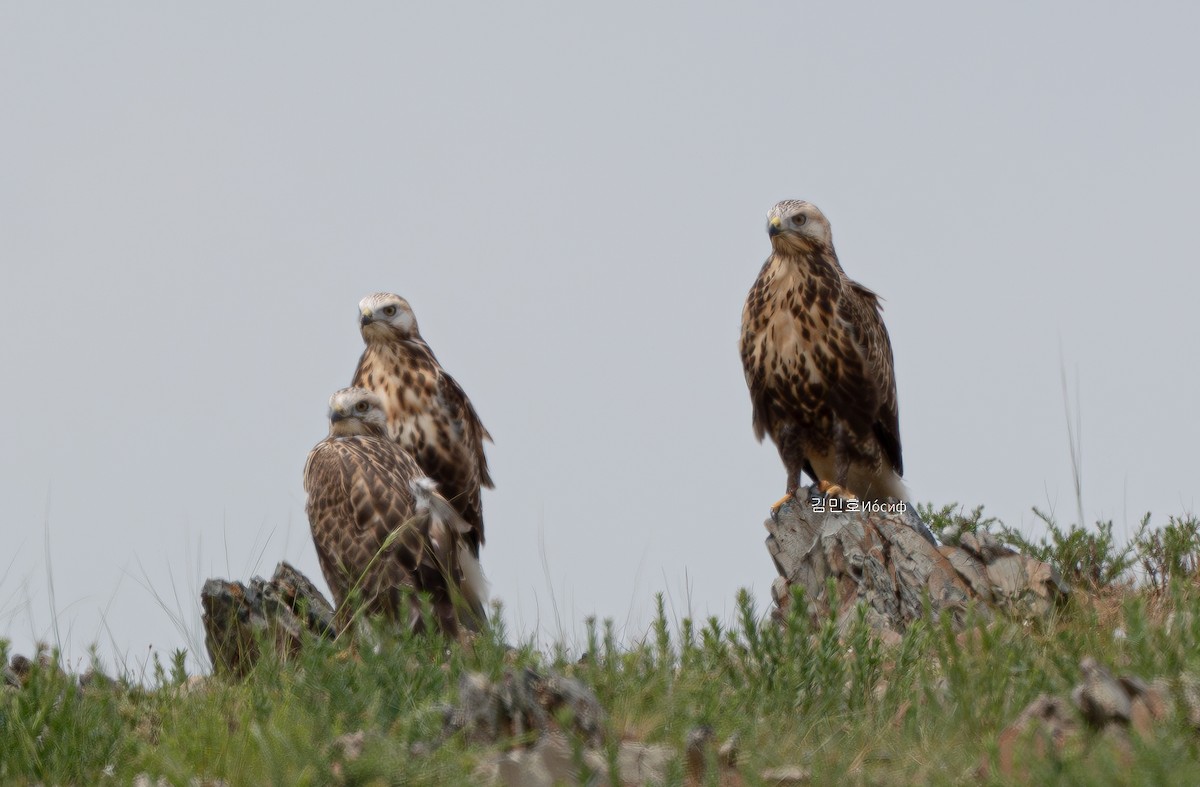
(791, 451)
(841, 466)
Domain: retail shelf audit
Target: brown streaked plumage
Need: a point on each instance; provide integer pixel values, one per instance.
(428, 413)
(818, 362)
(383, 533)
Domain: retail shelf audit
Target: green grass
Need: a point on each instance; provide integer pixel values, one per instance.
(849, 709)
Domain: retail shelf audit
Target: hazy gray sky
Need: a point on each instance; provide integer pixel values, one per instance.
(194, 197)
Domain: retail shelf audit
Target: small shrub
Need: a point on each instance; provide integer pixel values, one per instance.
(949, 523)
(1169, 554)
(1085, 558)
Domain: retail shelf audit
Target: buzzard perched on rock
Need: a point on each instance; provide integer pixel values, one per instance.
(818, 362)
(427, 412)
(382, 531)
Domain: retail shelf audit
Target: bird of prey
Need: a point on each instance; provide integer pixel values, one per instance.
(383, 533)
(818, 363)
(427, 412)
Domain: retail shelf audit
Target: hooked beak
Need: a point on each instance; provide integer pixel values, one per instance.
(365, 318)
(774, 226)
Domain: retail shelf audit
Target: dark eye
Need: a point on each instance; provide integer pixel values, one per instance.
(362, 407)
(800, 220)
(390, 311)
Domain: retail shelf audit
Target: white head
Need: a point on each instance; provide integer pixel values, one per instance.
(385, 316)
(794, 223)
(356, 411)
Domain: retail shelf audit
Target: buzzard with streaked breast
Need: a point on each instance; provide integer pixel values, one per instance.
(818, 363)
(383, 533)
(428, 414)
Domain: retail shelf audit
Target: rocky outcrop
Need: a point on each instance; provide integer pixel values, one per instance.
(882, 556)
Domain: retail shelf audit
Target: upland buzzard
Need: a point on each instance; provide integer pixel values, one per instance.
(428, 413)
(382, 531)
(818, 363)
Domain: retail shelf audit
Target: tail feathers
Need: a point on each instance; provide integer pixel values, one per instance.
(447, 527)
(474, 586)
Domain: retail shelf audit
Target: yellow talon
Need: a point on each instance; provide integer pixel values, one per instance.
(833, 490)
(779, 503)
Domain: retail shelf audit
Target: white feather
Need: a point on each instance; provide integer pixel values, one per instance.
(444, 517)
(475, 586)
